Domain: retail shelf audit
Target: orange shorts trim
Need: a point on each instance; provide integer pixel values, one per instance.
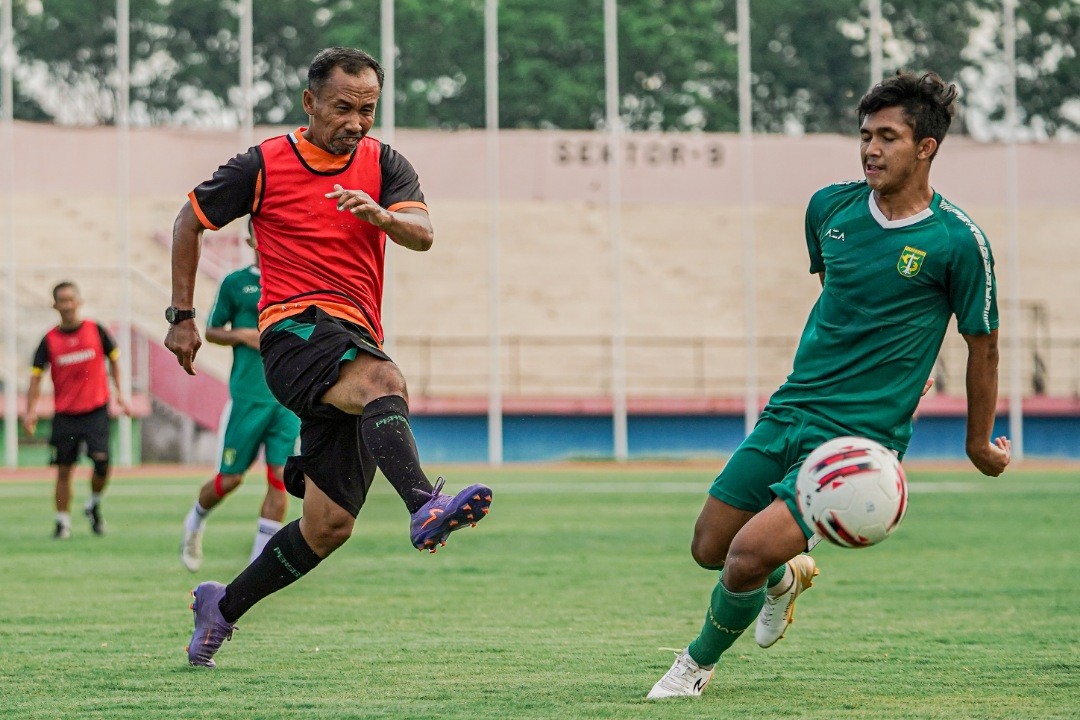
(279, 311)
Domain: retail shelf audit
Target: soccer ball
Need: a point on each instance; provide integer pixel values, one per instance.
(852, 492)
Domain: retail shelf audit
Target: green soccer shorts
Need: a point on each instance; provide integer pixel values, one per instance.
(252, 425)
(767, 462)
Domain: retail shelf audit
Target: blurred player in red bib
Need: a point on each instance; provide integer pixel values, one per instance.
(76, 352)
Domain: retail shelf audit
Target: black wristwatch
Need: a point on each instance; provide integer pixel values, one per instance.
(174, 315)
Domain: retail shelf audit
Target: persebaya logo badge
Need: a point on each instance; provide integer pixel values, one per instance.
(910, 262)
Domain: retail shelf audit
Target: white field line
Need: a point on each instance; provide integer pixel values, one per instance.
(639, 487)
(164, 488)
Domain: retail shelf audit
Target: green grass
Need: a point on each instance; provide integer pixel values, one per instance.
(557, 606)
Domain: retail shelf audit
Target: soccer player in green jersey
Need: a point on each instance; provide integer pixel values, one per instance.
(896, 261)
(252, 418)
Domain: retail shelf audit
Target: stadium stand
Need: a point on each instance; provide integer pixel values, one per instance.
(683, 263)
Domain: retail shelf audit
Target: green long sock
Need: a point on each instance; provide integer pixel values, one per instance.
(729, 615)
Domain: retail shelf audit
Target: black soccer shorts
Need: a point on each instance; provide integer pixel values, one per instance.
(302, 356)
(71, 431)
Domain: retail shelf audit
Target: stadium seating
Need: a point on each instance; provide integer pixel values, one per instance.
(684, 281)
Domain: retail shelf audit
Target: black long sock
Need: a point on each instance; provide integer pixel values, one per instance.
(388, 436)
(286, 558)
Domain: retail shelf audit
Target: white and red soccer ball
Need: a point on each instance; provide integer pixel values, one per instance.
(852, 491)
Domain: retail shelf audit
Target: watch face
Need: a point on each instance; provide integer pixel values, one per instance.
(173, 316)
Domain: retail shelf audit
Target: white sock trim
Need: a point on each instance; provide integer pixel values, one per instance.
(269, 527)
(195, 520)
(266, 530)
(785, 584)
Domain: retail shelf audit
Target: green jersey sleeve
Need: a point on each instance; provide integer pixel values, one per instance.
(972, 286)
(813, 242)
(822, 206)
(223, 311)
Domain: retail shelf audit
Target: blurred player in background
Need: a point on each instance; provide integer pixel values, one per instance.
(896, 261)
(323, 200)
(255, 418)
(75, 352)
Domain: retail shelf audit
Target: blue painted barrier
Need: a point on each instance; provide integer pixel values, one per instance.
(546, 437)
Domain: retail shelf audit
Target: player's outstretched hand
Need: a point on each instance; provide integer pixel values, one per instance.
(992, 458)
(184, 341)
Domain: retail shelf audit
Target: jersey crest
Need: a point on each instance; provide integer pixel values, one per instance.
(910, 262)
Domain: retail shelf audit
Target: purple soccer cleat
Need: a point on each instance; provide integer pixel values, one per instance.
(211, 629)
(443, 514)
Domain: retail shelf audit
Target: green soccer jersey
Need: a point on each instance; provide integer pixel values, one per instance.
(237, 305)
(890, 288)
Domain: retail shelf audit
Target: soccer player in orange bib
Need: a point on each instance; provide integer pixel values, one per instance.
(323, 199)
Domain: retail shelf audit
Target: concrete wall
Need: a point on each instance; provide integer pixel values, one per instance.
(684, 273)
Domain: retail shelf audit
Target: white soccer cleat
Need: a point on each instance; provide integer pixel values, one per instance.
(779, 612)
(191, 550)
(685, 679)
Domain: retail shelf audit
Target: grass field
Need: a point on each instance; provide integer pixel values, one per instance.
(557, 606)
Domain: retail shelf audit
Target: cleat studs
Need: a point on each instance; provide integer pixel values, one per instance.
(488, 498)
(485, 510)
(466, 507)
(453, 523)
(191, 607)
(469, 516)
(472, 524)
(476, 497)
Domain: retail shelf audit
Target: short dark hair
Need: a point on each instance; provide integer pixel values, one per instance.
(928, 102)
(64, 286)
(350, 60)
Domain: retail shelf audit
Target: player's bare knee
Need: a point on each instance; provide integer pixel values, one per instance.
(707, 552)
(365, 379)
(745, 570)
(331, 538)
(101, 465)
(386, 379)
(276, 504)
(328, 532)
(225, 484)
(737, 571)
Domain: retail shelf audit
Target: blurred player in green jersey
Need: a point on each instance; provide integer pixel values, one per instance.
(896, 261)
(253, 418)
